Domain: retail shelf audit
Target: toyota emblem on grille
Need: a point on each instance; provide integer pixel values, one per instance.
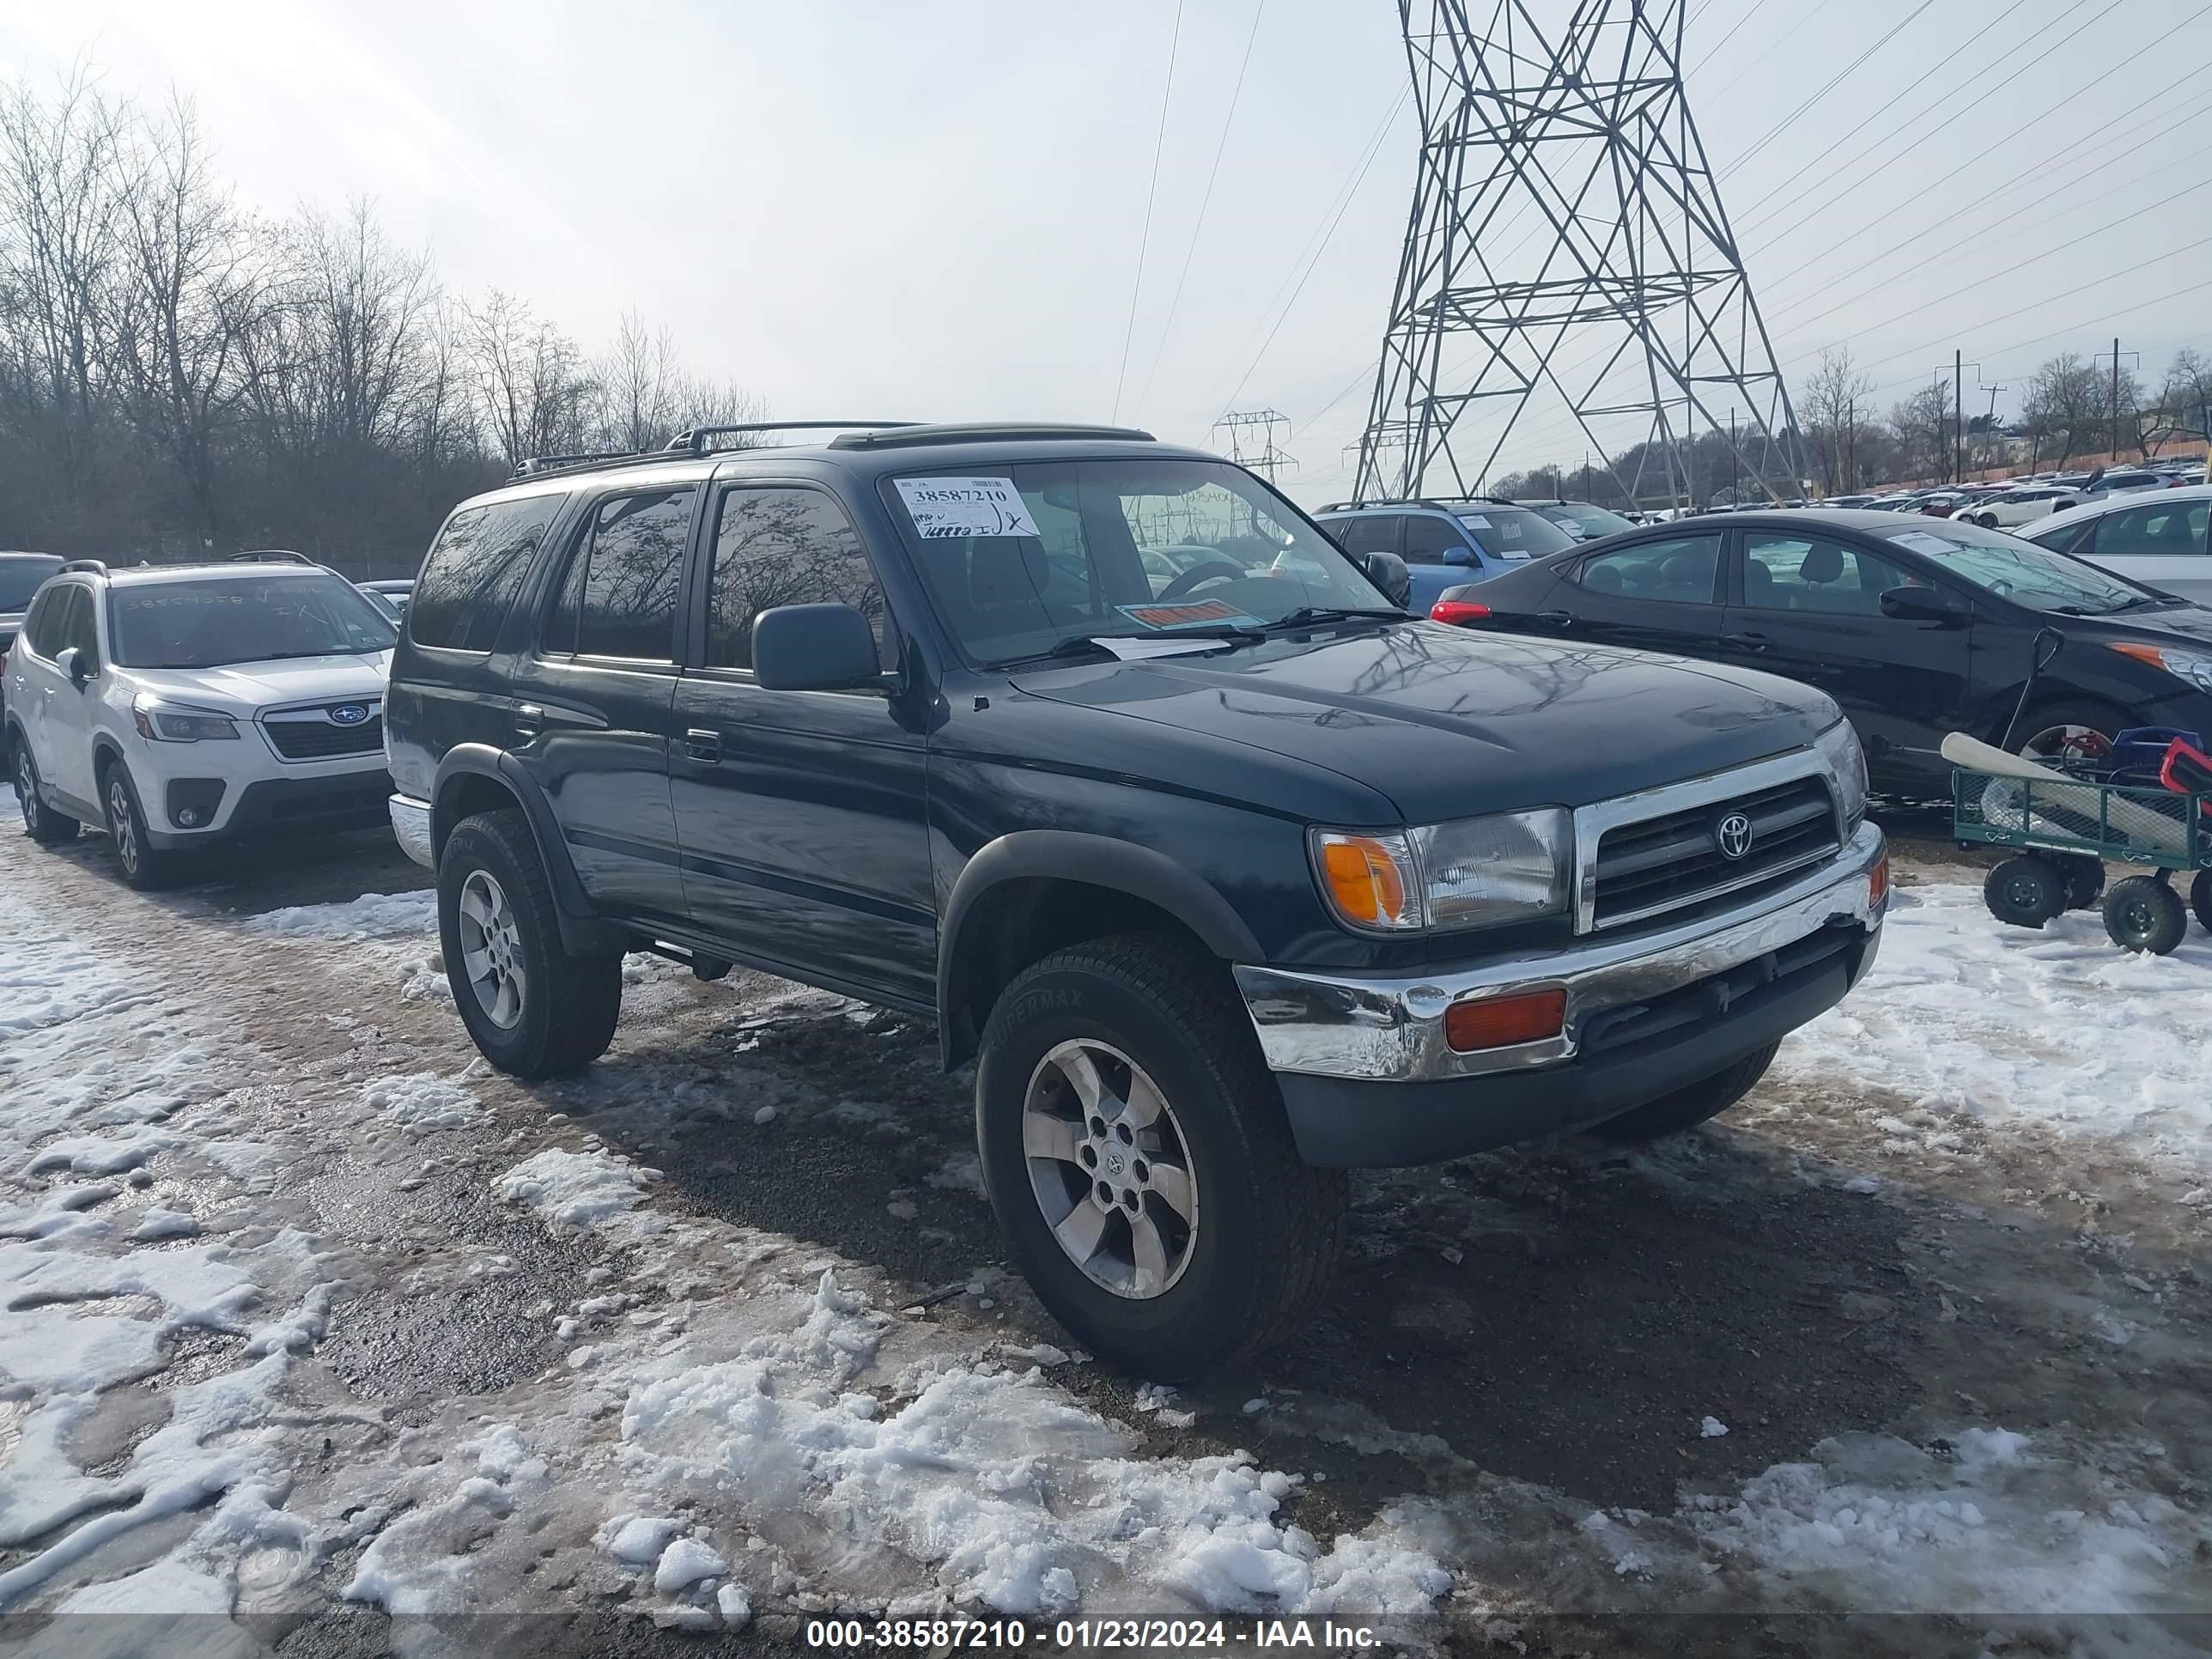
(1732, 835)
(349, 713)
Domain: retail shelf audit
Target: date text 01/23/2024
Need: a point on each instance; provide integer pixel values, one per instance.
(1179, 1636)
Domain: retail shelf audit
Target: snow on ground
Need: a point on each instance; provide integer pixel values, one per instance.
(1964, 1015)
(372, 915)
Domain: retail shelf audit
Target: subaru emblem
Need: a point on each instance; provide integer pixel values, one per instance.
(1732, 835)
(349, 713)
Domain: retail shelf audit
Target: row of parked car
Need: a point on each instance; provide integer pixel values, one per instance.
(1226, 872)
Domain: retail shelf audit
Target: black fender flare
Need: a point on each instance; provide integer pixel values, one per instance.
(1095, 862)
(583, 930)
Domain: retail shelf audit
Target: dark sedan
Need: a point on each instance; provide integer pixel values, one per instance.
(1916, 628)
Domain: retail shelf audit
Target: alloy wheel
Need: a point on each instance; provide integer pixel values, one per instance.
(1111, 1169)
(122, 823)
(491, 950)
(27, 786)
(2067, 744)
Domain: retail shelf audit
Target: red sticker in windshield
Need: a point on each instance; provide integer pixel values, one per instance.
(1199, 613)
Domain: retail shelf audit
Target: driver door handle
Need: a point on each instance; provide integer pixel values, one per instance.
(529, 720)
(1748, 641)
(1556, 618)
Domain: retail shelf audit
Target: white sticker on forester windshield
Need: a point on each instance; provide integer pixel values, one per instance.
(1921, 542)
(966, 507)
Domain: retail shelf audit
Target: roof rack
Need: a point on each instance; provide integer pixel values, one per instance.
(695, 439)
(1443, 504)
(983, 432)
(270, 555)
(89, 566)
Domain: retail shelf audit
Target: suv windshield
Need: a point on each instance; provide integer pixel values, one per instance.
(1022, 559)
(211, 624)
(20, 579)
(2018, 570)
(1580, 518)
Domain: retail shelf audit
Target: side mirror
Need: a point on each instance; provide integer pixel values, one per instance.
(814, 648)
(1458, 556)
(1388, 572)
(1930, 604)
(72, 662)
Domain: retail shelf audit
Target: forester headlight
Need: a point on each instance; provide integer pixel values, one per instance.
(169, 722)
(1839, 747)
(1470, 873)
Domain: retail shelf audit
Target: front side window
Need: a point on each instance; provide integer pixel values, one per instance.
(222, 619)
(1428, 540)
(1680, 570)
(1810, 572)
(2159, 531)
(2008, 567)
(1020, 560)
(79, 629)
(474, 571)
(618, 593)
(778, 545)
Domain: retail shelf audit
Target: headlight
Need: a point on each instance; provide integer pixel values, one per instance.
(2191, 666)
(1839, 747)
(1472, 873)
(165, 722)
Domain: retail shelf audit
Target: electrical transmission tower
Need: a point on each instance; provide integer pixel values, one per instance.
(1263, 455)
(1563, 194)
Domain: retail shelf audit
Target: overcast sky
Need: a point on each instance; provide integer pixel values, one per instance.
(935, 210)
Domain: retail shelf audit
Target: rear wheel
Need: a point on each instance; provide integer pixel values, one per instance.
(145, 866)
(2142, 913)
(1138, 1158)
(2064, 734)
(2084, 875)
(1689, 1105)
(40, 822)
(2025, 893)
(2200, 899)
(532, 1008)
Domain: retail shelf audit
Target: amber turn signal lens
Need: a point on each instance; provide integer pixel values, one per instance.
(1500, 1021)
(1878, 883)
(1364, 879)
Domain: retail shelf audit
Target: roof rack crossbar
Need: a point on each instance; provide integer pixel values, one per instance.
(88, 567)
(270, 555)
(986, 433)
(694, 438)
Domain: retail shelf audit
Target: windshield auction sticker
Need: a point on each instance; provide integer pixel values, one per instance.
(965, 507)
(1193, 613)
(1921, 542)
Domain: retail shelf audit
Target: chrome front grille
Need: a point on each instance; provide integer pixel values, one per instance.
(1671, 849)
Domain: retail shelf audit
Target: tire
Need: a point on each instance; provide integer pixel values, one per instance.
(2084, 877)
(2025, 893)
(2200, 899)
(2142, 913)
(2049, 730)
(40, 822)
(1690, 1105)
(1244, 1238)
(146, 868)
(563, 1008)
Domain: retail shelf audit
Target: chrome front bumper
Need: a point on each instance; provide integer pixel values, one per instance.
(411, 825)
(1392, 1031)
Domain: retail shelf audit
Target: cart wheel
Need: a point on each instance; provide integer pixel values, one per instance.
(2025, 893)
(2085, 880)
(2200, 899)
(2142, 913)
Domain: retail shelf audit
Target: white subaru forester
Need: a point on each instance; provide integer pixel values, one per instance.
(180, 704)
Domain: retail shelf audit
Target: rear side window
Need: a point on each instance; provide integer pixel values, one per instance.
(1377, 532)
(2159, 530)
(475, 569)
(41, 629)
(782, 546)
(1680, 571)
(618, 595)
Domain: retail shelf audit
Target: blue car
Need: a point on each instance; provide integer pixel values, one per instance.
(1445, 544)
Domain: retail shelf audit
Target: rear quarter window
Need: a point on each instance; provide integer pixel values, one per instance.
(474, 571)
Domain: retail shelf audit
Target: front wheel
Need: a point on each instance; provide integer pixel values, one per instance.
(2143, 914)
(144, 866)
(2024, 891)
(2200, 899)
(1140, 1162)
(534, 1010)
(40, 822)
(1690, 1105)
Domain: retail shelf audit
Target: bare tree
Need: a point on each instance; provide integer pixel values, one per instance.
(2065, 404)
(1922, 425)
(640, 387)
(1829, 402)
(530, 379)
(2187, 391)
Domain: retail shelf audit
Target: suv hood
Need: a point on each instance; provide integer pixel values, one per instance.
(1448, 723)
(246, 686)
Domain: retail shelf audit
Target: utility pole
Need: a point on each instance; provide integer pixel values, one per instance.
(2137, 355)
(1992, 391)
(1732, 458)
(1576, 117)
(1959, 416)
(1850, 446)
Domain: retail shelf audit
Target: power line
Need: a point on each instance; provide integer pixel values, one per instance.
(1805, 14)
(1204, 200)
(1832, 83)
(1144, 239)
